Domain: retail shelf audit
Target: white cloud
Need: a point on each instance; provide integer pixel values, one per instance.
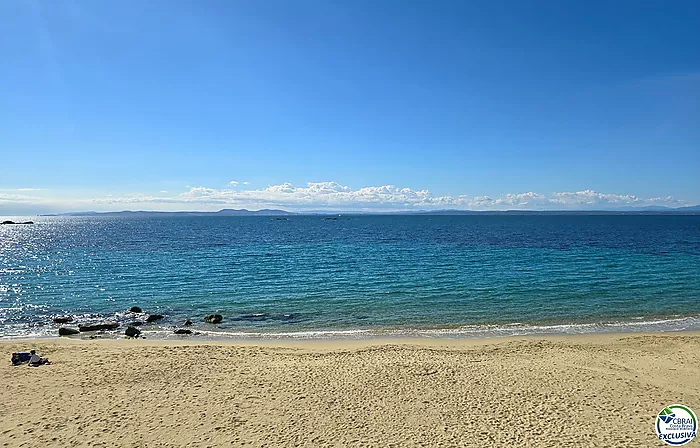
(332, 195)
(15, 197)
(335, 196)
(233, 183)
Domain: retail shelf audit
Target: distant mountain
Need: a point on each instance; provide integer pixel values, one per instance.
(620, 211)
(223, 212)
(692, 208)
(244, 212)
(651, 210)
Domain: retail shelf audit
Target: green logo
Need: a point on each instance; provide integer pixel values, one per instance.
(676, 425)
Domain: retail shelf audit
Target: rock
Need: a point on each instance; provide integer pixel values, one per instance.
(64, 331)
(136, 323)
(182, 331)
(12, 222)
(132, 331)
(188, 323)
(98, 327)
(154, 317)
(62, 319)
(214, 318)
(135, 309)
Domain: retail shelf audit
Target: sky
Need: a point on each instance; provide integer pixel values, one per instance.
(348, 104)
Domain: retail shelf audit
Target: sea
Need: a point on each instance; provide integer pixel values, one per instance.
(352, 276)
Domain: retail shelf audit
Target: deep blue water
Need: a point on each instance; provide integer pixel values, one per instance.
(358, 275)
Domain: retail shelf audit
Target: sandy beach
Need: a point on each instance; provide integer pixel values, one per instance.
(593, 390)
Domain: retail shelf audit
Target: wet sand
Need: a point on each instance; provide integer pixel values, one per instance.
(589, 390)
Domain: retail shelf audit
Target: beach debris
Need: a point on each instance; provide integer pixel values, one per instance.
(214, 318)
(154, 317)
(62, 319)
(135, 309)
(182, 331)
(132, 332)
(187, 323)
(65, 331)
(99, 326)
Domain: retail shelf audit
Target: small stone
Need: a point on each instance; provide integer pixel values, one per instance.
(183, 331)
(62, 319)
(99, 326)
(214, 318)
(132, 332)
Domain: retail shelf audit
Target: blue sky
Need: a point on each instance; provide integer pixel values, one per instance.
(356, 104)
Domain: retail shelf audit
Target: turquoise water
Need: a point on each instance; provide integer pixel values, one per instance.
(356, 276)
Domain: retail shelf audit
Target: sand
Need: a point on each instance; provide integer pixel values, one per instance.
(597, 390)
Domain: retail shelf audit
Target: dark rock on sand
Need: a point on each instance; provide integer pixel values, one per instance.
(135, 309)
(99, 327)
(188, 323)
(64, 331)
(182, 331)
(62, 319)
(154, 317)
(214, 318)
(132, 331)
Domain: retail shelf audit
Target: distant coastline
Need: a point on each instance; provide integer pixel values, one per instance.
(692, 210)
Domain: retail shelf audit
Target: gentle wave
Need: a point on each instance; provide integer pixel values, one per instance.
(637, 325)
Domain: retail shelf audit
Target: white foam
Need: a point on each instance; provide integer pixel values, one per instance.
(635, 324)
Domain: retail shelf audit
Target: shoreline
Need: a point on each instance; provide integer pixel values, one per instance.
(640, 324)
(331, 343)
